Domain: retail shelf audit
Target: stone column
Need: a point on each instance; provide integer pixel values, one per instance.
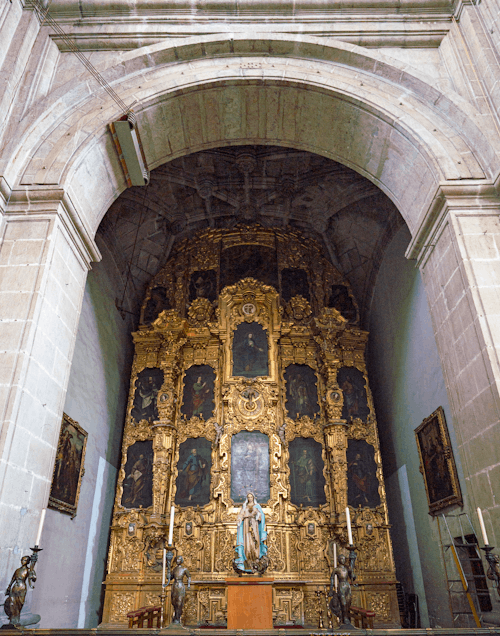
(43, 268)
(460, 264)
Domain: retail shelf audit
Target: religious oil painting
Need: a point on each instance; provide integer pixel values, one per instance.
(301, 391)
(147, 385)
(250, 351)
(362, 482)
(138, 482)
(306, 472)
(158, 302)
(340, 300)
(193, 472)
(203, 284)
(198, 395)
(294, 283)
(437, 462)
(250, 466)
(352, 382)
(249, 261)
(68, 467)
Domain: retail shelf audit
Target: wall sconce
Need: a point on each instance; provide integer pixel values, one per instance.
(127, 140)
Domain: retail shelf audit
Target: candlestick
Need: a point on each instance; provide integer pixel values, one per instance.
(164, 566)
(171, 528)
(349, 529)
(483, 528)
(40, 526)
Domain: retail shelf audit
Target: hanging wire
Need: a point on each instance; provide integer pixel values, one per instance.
(44, 17)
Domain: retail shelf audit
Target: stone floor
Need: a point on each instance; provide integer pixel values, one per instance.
(276, 632)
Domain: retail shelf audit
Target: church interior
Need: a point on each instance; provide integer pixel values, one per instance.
(275, 355)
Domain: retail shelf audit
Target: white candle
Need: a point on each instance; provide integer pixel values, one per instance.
(171, 529)
(164, 567)
(335, 565)
(349, 530)
(40, 526)
(483, 529)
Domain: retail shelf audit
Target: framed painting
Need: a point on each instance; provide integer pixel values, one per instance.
(250, 466)
(362, 481)
(147, 385)
(301, 391)
(248, 261)
(437, 463)
(138, 482)
(352, 383)
(306, 472)
(68, 468)
(250, 351)
(193, 473)
(198, 395)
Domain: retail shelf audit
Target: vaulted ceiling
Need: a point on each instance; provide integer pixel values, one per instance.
(272, 186)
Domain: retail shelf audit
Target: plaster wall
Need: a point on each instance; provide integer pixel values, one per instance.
(71, 567)
(408, 385)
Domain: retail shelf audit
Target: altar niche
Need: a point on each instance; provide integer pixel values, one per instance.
(250, 466)
(250, 351)
(306, 473)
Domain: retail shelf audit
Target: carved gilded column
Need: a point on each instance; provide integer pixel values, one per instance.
(171, 329)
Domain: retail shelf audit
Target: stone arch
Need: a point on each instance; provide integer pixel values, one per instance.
(334, 99)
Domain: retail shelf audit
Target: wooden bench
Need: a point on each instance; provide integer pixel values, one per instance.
(148, 614)
(362, 618)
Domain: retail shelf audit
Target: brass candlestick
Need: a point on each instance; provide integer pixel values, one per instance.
(16, 591)
(169, 557)
(493, 572)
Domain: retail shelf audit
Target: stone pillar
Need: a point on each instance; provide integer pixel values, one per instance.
(460, 264)
(43, 268)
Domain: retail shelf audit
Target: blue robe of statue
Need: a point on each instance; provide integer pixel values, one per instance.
(250, 536)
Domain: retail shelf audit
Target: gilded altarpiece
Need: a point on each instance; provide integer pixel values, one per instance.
(286, 350)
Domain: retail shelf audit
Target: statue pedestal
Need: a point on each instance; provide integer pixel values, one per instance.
(250, 602)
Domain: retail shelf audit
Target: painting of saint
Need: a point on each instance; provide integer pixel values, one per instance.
(362, 482)
(340, 300)
(157, 303)
(250, 466)
(147, 385)
(352, 383)
(193, 472)
(437, 462)
(294, 283)
(203, 284)
(138, 482)
(198, 395)
(301, 392)
(68, 467)
(250, 357)
(306, 472)
(249, 261)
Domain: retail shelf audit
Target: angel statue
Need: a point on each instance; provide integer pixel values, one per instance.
(251, 550)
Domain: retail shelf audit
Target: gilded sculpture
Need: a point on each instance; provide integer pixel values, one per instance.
(249, 351)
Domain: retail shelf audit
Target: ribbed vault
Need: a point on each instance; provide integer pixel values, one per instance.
(272, 186)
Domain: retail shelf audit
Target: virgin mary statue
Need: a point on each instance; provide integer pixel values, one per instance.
(251, 550)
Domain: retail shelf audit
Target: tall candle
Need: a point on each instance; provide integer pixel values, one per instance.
(171, 529)
(40, 526)
(164, 567)
(483, 529)
(349, 530)
(335, 564)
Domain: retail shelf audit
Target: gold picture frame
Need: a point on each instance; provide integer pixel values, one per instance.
(68, 467)
(437, 463)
